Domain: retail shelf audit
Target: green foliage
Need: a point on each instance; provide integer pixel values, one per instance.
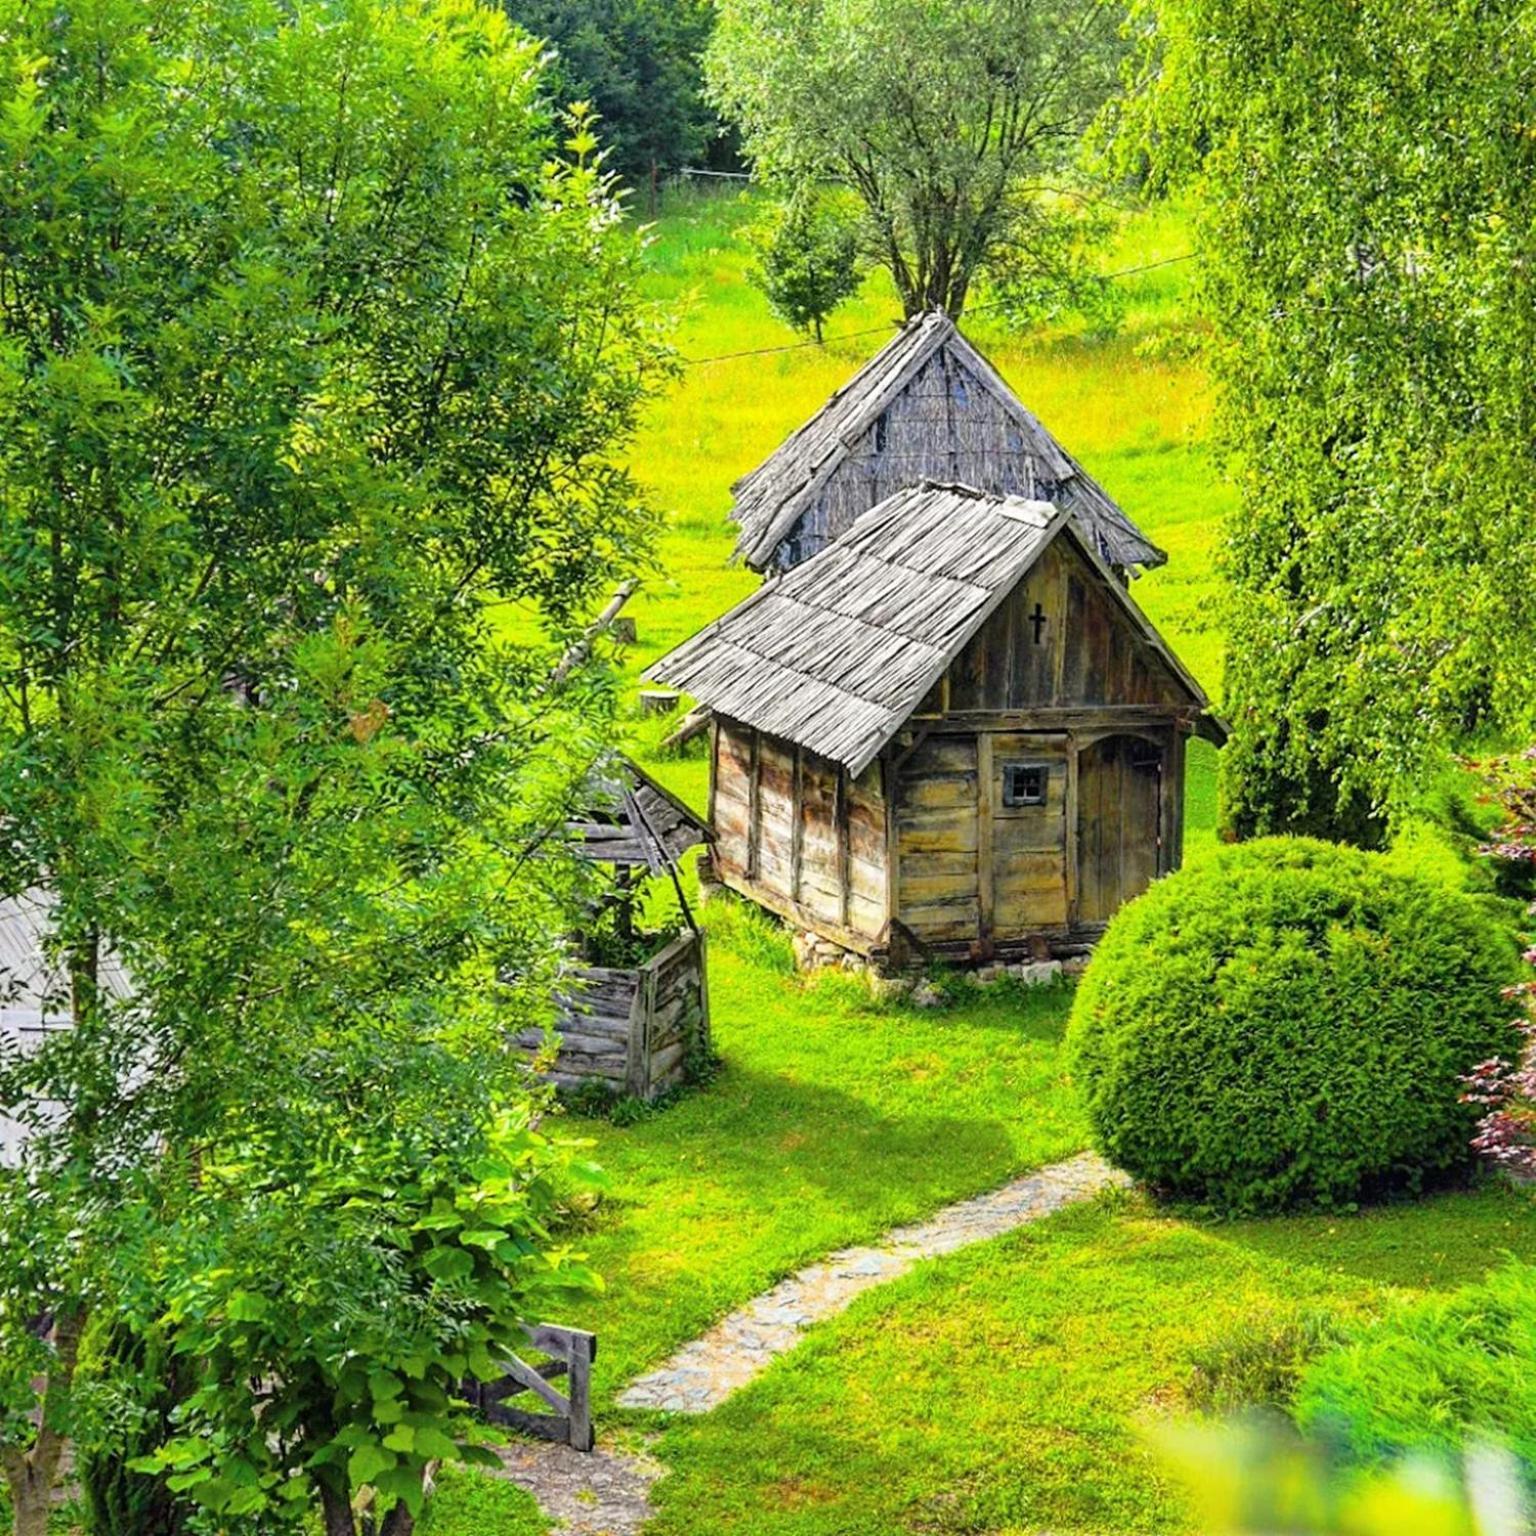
(1366, 193)
(638, 63)
(144, 1386)
(1288, 1023)
(1259, 1362)
(358, 1285)
(947, 122)
(314, 348)
(1441, 1375)
(807, 261)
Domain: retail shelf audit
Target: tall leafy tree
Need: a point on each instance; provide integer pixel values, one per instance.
(314, 355)
(1365, 177)
(639, 64)
(954, 124)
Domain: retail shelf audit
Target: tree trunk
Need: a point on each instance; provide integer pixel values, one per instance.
(30, 1475)
(31, 1503)
(336, 1509)
(398, 1522)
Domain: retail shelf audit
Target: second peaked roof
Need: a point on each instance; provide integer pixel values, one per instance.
(838, 653)
(901, 420)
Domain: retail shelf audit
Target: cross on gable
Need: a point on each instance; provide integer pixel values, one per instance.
(1038, 619)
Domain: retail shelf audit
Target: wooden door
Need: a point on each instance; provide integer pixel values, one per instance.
(1119, 823)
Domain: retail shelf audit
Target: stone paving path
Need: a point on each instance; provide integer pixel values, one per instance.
(605, 1492)
(701, 1375)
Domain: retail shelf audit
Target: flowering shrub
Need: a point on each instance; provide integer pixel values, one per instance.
(1506, 1088)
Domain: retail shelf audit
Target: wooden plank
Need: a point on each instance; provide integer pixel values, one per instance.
(797, 822)
(754, 804)
(639, 1023)
(1072, 830)
(861, 943)
(986, 792)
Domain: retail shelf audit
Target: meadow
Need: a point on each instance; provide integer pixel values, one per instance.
(1007, 1389)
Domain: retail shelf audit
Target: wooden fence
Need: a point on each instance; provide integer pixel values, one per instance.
(569, 1353)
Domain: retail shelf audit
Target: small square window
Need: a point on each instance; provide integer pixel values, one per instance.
(1024, 784)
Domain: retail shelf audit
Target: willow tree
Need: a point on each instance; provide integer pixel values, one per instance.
(956, 125)
(316, 344)
(1365, 184)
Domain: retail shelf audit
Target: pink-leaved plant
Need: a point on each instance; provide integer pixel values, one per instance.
(1506, 1134)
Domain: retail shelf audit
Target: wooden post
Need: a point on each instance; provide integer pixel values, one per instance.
(890, 781)
(637, 1059)
(797, 823)
(582, 1347)
(844, 843)
(701, 939)
(754, 804)
(985, 888)
(1069, 811)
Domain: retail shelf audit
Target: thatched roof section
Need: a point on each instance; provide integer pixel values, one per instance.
(633, 822)
(836, 654)
(909, 415)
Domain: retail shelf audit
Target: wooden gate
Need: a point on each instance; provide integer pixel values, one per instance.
(569, 1353)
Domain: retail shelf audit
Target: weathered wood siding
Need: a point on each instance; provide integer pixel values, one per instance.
(795, 831)
(1029, 843)
(633, 1030)
(971, 868)
(1087, 651)
(936, 822)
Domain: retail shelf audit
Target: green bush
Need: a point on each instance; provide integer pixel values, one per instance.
(1287, 1024)
(1434, 1376)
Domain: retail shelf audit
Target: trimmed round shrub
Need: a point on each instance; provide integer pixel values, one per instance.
(1286, 1024)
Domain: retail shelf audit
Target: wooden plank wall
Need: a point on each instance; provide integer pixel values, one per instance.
(1089, 653)
(793, 830)
(1029, 843)
(632, 1030)
(938, 891)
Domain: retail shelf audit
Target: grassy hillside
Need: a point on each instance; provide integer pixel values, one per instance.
(1132, 407)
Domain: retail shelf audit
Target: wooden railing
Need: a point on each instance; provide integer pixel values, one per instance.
(570, 1355)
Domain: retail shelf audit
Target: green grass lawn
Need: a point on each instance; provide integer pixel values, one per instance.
(1003, 1390)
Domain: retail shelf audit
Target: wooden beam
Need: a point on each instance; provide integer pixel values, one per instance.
(985, 889)
(844, 843)
(796, 822)
(1069, 812)
(754, 804)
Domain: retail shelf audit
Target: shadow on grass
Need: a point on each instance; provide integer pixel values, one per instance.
(1437, 1243)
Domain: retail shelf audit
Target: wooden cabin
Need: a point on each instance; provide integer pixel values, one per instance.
(636, 1013)
(951, 733)
(928, 406)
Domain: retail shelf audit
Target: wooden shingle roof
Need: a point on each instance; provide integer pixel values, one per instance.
(632, 822)
(1019, 457)
(836, 654)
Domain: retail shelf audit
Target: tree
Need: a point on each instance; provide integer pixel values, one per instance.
(953, 124)
(314, 355)
(639, 64)
(808, 262)
(1364, 182)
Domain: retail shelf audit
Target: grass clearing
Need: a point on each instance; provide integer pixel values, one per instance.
(1002, 1390)
(1006, 1389)
(832, 1119)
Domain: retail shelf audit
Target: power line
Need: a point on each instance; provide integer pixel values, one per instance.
(870, 330)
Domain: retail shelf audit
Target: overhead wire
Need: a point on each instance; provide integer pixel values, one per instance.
(871, 330)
